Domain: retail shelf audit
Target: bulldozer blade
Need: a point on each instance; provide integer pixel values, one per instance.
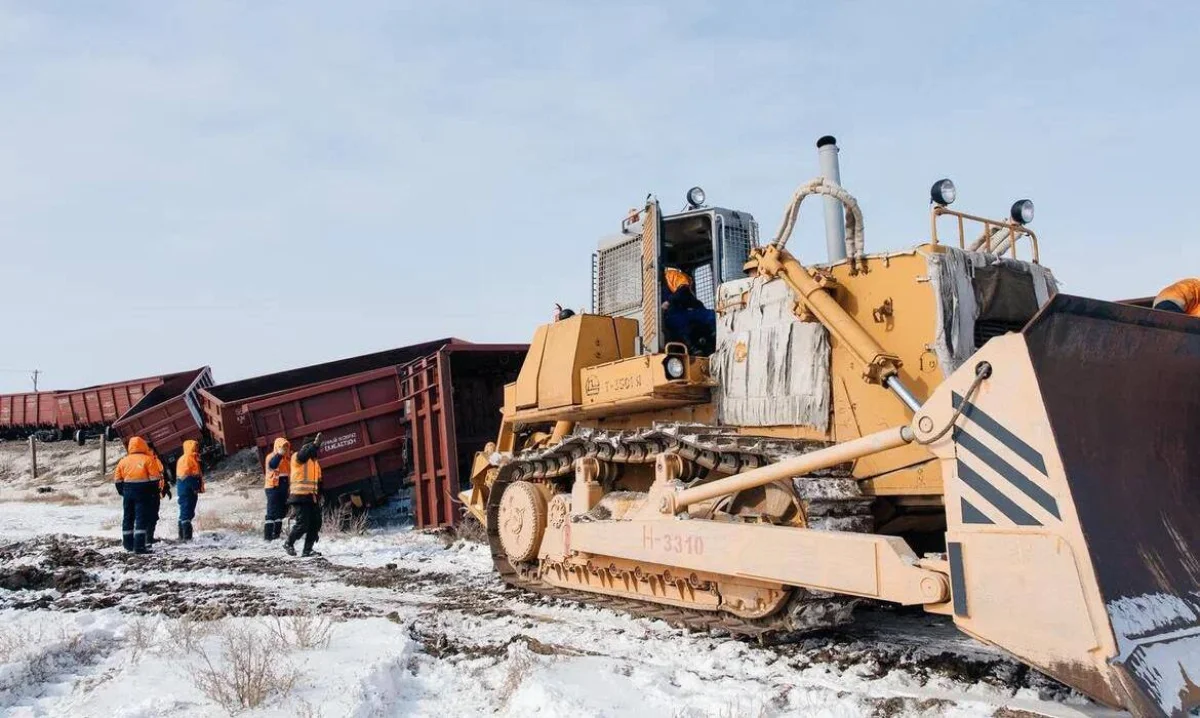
(1073, 500)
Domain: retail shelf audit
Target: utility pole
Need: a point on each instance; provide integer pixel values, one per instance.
(34, 374)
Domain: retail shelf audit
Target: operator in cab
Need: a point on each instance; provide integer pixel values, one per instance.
(1182, 297)
(276, 484)
(189, 484)
(685, 318)
(137, 478)
(304, 495)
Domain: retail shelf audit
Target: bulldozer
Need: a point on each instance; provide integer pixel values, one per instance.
(935, 426)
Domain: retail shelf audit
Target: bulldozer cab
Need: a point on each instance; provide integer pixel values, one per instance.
(709, 244)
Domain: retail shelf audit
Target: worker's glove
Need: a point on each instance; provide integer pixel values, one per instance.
(166, 491)
(120, 488)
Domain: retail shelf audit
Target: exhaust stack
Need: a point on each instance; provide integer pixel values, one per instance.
(835, 218)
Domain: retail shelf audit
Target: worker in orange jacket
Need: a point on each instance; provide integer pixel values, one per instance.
(1182, 296)
(277, 470)
(137, 477)
(304, 495)
(189, 484)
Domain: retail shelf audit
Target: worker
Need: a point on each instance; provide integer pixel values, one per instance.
(560, 313)
(189, 484)
(304, 495)
(685, 318)
(278, 469)
(137, 477)
(1182, 296)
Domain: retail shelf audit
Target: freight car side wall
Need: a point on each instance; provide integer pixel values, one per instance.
(363, 430)
(454, 399)
(96, 406)
(168, 415)
(23, 413)
(225, 406)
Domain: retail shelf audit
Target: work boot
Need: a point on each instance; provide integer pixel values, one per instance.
(291, 550)
(127, 540)
(182, 531)
(188, 528)
(268, 530)
(277, 528)
(140, 542)
(310, 553)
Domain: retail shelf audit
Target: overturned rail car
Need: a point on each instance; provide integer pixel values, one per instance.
(225, 405)
(170, 415)
(417, 424)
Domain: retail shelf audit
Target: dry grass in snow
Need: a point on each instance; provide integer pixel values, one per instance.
(245, 671)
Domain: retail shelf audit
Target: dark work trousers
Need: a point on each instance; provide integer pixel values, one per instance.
(276, 509)
(188, 492)
(152, 522)
(138, 500)
(307, 524)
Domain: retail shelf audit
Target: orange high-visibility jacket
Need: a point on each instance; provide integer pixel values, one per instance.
(188, 466)
(305, 479)
(676, 278)
(140, 466)
(1184, 294)
(284, 449)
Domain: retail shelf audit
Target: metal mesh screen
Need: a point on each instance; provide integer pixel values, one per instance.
(735, 248)
(617, 281)
(704, 286)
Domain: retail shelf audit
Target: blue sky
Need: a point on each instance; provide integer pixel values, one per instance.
(263, 185)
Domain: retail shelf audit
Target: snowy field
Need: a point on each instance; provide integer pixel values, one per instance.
(395, 622)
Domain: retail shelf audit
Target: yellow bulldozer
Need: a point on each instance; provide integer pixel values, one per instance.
(935, 426)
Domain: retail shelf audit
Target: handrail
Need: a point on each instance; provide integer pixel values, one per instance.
(1005, 244)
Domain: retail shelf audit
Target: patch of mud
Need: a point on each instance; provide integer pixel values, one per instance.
(922, 646)
(62, 573)
(32, 578)
(439, 644)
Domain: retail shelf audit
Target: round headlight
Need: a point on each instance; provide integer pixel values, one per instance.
(695, 197)
(1022, 211)
(674, 367)
(943, 192)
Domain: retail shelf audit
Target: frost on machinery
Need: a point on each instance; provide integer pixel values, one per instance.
(934, 426)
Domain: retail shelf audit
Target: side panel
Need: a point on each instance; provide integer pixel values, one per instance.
(651, 271)
(573, 344)
(526, 389)
(435, 473)
(363, 425)
(168, 415)
(454, 400)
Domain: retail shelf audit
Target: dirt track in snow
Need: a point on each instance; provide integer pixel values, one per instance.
(457, 620)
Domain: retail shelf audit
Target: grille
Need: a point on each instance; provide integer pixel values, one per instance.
(702, 277)
(735, 248)
(617, 279)
(986, 329)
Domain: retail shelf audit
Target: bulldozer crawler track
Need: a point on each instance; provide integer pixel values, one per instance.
(710, 450)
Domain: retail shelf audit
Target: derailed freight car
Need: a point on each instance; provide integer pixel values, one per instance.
(32, 413)
(418, 424)
(73, 413)
(169, 415)
(91, 410)
(225, 405)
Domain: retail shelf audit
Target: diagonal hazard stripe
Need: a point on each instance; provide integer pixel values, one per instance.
(995, 497)
(1011, 474)
(972, 515)
(1004, 436)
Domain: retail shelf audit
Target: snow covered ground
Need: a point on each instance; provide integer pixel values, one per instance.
(399, 622)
